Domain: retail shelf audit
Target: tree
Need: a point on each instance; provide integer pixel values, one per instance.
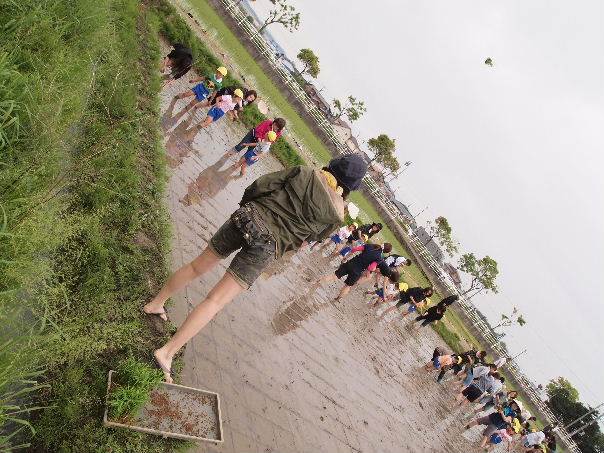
(382, 147)
(392, 163)
(311, 62)
(441, 230)
(483, 273)
(562, 387)
(563, 400)
(283, 14)
(513, 318)
(489, 62)
(352, 108)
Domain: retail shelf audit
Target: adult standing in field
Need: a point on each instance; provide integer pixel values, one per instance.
(370, 255)
(258, 133)
(279, 211)
(179, 61)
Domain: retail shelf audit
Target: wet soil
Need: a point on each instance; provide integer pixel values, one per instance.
(297, 372)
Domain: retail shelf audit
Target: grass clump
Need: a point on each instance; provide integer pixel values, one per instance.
(132, 385)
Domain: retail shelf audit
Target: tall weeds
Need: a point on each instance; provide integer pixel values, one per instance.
(81, 181)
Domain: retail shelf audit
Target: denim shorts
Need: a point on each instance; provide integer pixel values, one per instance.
(250, 137)
(244, 230)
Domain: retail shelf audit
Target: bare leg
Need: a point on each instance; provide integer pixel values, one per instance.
(181, 278)
(345, 290)
(223, 293)
(388, 310)
(186, 94)
(243, 167)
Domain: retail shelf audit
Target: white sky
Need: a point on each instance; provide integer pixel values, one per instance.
(511, 155)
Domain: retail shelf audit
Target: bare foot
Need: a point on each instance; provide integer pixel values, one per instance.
(151, 310)
(164, 363)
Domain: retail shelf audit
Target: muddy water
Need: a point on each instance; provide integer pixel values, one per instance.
(296, 371)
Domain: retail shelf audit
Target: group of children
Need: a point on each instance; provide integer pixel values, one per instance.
(480, 383)
(209, 91)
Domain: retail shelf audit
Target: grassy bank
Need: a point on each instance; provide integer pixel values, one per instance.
(83, 233)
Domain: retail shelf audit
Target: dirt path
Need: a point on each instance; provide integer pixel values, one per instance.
(295, 372)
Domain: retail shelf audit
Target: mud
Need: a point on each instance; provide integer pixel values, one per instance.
(296, 371)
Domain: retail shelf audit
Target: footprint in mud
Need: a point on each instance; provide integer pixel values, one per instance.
(292, 316)
(208, 183)
(278, 266)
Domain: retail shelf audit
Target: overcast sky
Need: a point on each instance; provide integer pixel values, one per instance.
(511, 155)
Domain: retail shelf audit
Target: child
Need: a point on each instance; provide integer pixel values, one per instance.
(370, 255)
(356, 239)
(179, 61)
(388, 296)
(499, 436)
(434, 314)
(414, 296)
(278, 212)
(249, 96)
(253, 155)
(258, 133)
(203, 89)
(224, 104)
(340, 236)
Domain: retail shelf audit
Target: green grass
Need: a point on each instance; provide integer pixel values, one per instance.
(131, 387)
(83, 232)
(262, 82)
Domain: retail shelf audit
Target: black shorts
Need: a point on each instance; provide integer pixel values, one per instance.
(243, 230)
(472, 393)
(353, 275)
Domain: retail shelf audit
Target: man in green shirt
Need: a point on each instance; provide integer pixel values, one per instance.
(279, 211)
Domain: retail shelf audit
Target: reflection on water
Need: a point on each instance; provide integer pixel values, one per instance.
(208, 183)
(291, 316)
(177, 147)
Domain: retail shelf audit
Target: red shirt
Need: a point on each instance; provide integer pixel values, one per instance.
(262, 129)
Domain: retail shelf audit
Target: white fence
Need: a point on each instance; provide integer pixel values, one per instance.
(241, 18)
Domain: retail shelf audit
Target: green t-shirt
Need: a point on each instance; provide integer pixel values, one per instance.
(212, 83)
(296, 205)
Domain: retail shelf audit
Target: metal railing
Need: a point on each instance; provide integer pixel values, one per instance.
(240, 17)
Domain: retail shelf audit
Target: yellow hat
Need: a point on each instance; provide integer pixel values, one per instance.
(222, 70)
(271, 136)
(238, 93)
(402, 286)
(356, 225)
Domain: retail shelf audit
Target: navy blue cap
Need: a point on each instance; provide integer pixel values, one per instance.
(349, 170)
